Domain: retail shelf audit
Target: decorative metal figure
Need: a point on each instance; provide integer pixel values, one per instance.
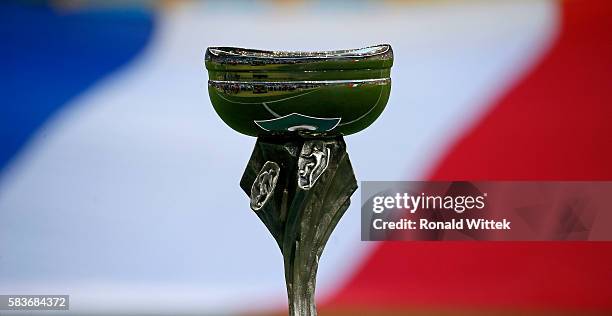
(299, 177)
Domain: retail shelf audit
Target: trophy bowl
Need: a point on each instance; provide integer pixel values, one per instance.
(259, 92)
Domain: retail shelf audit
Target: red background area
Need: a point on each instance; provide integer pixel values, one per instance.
(555, 124)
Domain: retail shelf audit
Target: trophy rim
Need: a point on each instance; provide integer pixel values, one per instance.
(240, 52)
(237, 58)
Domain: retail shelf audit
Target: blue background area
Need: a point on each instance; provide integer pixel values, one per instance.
(48, 56)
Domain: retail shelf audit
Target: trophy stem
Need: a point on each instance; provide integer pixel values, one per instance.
(300, 186)
(300, 289)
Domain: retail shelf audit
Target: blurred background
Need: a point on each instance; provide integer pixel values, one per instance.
(119, 183)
